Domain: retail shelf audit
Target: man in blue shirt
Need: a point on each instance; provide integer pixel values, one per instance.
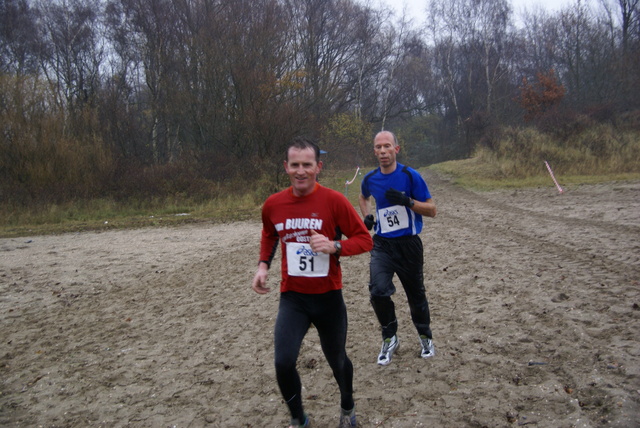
(402, 198)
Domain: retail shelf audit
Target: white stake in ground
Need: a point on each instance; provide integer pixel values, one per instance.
(553, 176)
(347, 183)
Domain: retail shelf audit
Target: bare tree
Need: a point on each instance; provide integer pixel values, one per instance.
(396, 39)
(370, 54)
(490, 22)
(71, 50)
(18, 37)
(538, 41)
(448, 34)
(630, 19)
(153, 27)
(324, 44)
(587, 56)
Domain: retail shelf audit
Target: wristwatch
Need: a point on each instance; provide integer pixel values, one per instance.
(411, 202)
(338, 246)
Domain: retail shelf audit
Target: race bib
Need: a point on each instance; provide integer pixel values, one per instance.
(302, 261)
(393, 218)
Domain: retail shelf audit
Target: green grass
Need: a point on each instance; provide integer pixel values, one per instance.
(598, 154)
(481, 176)
(479, 173)
(104, 214)
(517, 161)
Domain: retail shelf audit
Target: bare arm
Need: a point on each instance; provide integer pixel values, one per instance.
(365, 205)
(426, 208)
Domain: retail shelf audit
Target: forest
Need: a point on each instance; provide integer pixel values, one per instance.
(190, 98)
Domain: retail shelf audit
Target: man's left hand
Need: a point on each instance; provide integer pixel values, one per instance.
(320, 243)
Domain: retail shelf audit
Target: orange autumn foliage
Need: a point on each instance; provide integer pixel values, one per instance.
(540, 96)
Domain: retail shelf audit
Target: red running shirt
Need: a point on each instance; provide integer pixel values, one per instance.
(288, 219)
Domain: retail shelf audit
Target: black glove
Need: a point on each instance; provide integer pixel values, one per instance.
(396, 197)
(369, 221)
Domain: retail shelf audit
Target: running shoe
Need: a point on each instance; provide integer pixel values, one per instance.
(428, 350)
(389, 346)
(348, 418)
(295, 423)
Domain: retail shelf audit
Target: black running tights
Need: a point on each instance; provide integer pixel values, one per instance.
(328, 313)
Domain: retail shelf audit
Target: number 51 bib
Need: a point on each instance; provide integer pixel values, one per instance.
(302, 261)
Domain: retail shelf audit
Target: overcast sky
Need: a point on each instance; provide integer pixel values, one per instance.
(416, 7)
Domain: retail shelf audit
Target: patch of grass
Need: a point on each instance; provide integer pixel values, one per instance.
(477, 175)
(337, 179)
(104, 214)
(598, 154)
(107, 214)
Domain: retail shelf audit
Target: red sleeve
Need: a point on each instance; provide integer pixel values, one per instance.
(358, 238)
(269, 239)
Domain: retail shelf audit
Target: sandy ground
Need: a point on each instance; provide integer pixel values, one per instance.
(535, 311)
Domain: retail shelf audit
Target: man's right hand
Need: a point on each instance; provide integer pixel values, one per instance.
(369, 221)
(259, 283)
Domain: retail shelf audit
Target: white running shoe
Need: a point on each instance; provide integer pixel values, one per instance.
(348, 418)
(295, 423)
(428, 350)
(389, 346)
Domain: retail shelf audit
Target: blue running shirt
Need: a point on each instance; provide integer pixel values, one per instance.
(394, 221)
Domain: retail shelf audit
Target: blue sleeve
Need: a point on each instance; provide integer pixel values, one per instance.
(364, 187)
(420, 190)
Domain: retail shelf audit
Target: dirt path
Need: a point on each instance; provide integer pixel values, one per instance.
(534, 296)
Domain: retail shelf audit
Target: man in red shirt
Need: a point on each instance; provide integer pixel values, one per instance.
(309, 220)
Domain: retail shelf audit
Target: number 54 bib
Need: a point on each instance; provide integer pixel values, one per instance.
(393, 218)
(302, 261)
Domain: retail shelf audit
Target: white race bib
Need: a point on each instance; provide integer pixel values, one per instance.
(302, 261)
(393, 218)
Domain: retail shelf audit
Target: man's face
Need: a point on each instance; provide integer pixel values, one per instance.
(385, 149)
(302, 169)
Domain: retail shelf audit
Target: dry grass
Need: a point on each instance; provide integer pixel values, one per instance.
(596, 155)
